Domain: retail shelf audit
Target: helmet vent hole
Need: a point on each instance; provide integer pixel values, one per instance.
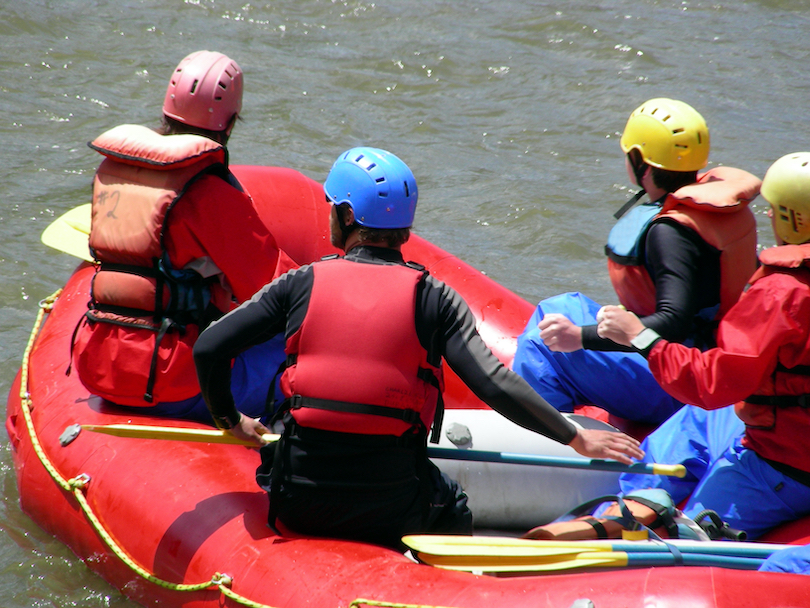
(380, 180)
(194, 86)
(407, 190)
(370, 167)
(678, 130)
(358, 159)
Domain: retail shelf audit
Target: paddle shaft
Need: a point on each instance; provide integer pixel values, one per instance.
(698, 547)
(220, 436)
(559, 461)
(647, 560)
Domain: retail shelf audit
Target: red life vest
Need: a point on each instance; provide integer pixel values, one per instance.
(790, 387)
(143, 315)
(356, 362)
(716, 208)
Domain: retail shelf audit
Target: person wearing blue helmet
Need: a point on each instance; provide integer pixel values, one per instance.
(366, 334)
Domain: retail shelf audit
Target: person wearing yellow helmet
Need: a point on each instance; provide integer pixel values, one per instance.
(669, 135)
(785, 187)
(758, 477)
(680, 261)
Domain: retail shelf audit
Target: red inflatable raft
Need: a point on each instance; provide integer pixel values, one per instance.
(174, 523)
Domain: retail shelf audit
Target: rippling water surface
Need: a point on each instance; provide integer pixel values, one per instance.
(509, 112)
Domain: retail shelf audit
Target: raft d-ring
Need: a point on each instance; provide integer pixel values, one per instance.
(46, 304)
(80, 481)
(222, 579)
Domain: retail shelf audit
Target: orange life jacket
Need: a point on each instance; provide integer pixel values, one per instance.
(135, 289)
(356, 364)
(716, 208)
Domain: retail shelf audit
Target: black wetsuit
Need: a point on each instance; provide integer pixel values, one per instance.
(354, 486)
(686, 273)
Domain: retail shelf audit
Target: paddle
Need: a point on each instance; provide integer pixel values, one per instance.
(139, 431)
(643, 468)
(218, 436)
(596, 559)
(508, 547)
(69, 233)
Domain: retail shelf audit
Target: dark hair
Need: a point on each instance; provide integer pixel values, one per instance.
(672, 180)
(394, 237)
(172, 126)
(667, 180)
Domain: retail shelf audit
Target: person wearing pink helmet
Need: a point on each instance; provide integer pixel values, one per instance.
(204, 96)
(167, 214)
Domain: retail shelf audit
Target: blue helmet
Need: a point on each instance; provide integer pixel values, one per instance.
(378, 186)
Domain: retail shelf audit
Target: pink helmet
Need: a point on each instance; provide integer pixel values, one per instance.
(205, 91)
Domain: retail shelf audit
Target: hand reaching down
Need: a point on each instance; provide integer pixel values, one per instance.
(606, 444)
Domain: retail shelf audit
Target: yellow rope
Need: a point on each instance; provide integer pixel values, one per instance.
(77, 485)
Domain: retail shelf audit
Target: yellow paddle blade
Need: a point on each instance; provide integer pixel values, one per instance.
(497, 546)
(69, 233)
(140, 431)
(527, 564)
(672, 470)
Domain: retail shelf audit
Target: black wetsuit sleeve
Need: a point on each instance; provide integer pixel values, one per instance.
(686, 274)
(446, 327)
(279, 307)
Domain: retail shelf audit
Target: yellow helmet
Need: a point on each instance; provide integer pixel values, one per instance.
(669, 134)
(786, 187)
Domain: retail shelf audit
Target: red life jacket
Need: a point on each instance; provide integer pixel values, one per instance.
(143, 314)
(790, 386)
(716, 208)
(356, 362)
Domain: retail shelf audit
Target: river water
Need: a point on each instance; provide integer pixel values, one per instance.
(509, 113)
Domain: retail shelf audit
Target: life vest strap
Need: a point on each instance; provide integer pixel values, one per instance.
(407, 415)
(428, 376)
(165, 326)
(801, 370)
(780, 400)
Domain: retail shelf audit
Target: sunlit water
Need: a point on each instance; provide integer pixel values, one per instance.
(508, 112)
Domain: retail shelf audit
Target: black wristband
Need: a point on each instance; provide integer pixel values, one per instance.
(228, 421)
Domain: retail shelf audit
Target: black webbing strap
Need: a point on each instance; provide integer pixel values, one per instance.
(406, 415)
(429, 377)
(780, 400)
(626, 207)
(150, 383)
(801, 370)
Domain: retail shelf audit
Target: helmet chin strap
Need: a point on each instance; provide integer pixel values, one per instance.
(626, 207)
(345, 230)
(638, 170)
